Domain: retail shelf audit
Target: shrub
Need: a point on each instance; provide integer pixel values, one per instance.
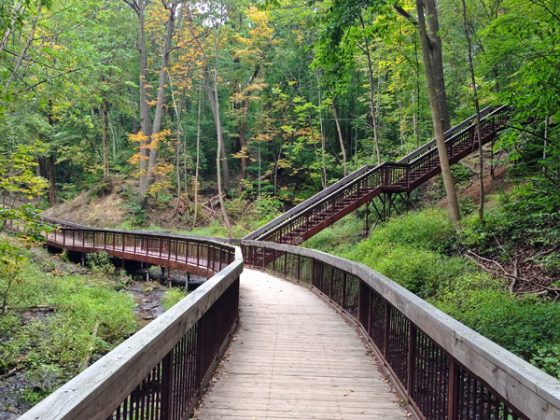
(524, 325)
(100, 262)
(528, 215)
(338, 237)
(428, 229)
(172, 296)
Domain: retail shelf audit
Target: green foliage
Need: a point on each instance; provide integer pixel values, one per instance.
(267, 208)
(100, 262)
(547, 357)
(408, 249)
(18, 181)
(49, 328)
(12, 258)
(172, 296)
(428, 229)
(137, 213)
(529, 216)
(342, 235)
(526, 326)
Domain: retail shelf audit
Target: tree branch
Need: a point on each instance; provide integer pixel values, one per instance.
(398, 8)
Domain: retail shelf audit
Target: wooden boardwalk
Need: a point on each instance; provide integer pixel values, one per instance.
(295, 357)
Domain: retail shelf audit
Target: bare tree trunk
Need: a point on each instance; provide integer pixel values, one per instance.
(545, 142)
(15, 16)
(177, 107)
(372, 108)
(28, 43)
(48, 170)
(416, 98)
(437, 119)
(145, 118)
(402, 122)
(244, 124)
(322, 132)
(105, 140)
(147, 180)
(436, 56)
(478, 133)
(243, 148)
(197, 164)
(212, 88)
(259, 173)
(415, 122)
(340, 140)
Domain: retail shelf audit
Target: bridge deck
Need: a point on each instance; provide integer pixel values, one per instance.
(295, 357)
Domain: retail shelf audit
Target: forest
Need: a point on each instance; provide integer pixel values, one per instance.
(212, 117)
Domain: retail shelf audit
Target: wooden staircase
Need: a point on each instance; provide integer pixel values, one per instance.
(362, 186)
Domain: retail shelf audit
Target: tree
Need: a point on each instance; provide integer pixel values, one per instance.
(210, 77)
(476, 101)
(151, 133)
(431, 64)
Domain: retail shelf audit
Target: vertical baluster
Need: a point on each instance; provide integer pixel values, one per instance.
(452, 394)
(387, 323)
(166, 385)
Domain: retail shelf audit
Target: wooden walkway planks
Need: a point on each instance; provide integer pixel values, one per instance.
(295, 357)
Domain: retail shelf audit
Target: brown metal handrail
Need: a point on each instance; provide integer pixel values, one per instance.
(442, 368)
(388, 177)
(192, 254)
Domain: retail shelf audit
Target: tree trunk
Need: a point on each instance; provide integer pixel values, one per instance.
(28, 42)
(243, 125)
(437, 118)
(8, 32)
(372, 108)
(436, 58)
(416, 98)
(340, 140)
(145, 118)
(478, 133)
(147, 179)
(47, 170)
(242, 135)
(197, 164)
(322, 132)
(212, 88)
(178, 107)
(105, 139)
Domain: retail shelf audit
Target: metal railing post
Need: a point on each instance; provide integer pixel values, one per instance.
(452, 390)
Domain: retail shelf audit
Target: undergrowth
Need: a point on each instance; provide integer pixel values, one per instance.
(56, 323)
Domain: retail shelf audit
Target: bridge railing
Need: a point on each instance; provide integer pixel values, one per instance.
(485, 112)
(202, 256)
(160, 371)
(305, 204)
(444, 369)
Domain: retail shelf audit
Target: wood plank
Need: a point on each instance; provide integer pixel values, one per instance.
(294, 357)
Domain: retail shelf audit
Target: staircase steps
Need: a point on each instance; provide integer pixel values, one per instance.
(343, 197)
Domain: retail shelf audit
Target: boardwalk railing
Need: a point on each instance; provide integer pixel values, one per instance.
(196, 255)
(444, 369)
(159, 372)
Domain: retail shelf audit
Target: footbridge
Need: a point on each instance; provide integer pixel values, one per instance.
(279, 331)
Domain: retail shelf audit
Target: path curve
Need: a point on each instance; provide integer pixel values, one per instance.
(295, 357)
